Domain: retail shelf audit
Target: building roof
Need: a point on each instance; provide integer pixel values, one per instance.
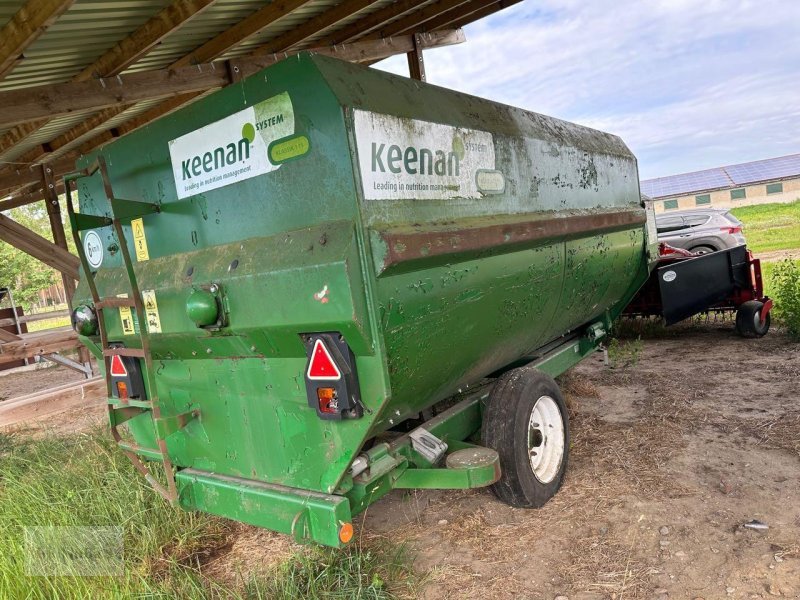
(54, 51)
(742, 174)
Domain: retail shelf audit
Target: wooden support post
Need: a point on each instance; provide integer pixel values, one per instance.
(56, 225)
(60, 240)
(416, 64)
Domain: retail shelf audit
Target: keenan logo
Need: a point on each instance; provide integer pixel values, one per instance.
(416, 161)
(222, 156)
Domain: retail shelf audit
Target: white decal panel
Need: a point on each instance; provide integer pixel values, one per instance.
(232, 149)
(409, 159)
(93, 248)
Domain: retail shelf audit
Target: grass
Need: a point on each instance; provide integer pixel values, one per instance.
(770, 227)
(48, 324)
(84, 480)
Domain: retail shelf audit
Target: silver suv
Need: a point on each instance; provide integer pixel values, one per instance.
(700, 230)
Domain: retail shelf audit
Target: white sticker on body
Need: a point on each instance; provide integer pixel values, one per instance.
(93, 248)
(403, 158)
(231, 149)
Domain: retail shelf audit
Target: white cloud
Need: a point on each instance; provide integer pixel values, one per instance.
(687, 84)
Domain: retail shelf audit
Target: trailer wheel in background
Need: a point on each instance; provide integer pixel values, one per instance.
(702, 250)
(526, 423)
(748, 320)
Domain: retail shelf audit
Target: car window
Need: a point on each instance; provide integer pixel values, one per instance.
(667, 224)
(697, 220)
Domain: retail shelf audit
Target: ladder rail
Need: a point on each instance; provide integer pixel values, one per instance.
(170, 493)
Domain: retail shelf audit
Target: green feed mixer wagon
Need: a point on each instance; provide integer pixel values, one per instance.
(326, 282)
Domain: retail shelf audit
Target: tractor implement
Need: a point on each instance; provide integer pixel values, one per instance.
(323, 283)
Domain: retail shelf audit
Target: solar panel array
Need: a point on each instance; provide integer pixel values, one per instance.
(685, 183)
(723, 177)
(764, 170)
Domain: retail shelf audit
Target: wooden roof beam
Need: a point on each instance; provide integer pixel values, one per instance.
(26, 175)
(464, 12)
(29, 195)
(41, 249)
(489, 8)
(116, 60)
(61, 99)
(370, 22)
(415, 21)
(312, 27)
(367, 51)
(205, 53)
(249, 27)
(257, 22)
(141, 41)
(25, 27)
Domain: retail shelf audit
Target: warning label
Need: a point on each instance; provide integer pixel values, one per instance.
(139, 240)
(126, 317)
(151, 311)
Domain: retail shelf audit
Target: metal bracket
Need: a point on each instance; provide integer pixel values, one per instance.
(85, 368)
(166, 426)
(427, 445)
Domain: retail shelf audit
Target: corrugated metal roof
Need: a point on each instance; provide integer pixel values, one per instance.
(89, 28)
(758, 171)
(77, 39)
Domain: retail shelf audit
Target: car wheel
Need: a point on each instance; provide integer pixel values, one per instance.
(702, 249)
(526, 423)
(748, 320)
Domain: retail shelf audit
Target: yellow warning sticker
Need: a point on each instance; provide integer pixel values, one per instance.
(126, 316)
(151, 311)
(139, 240)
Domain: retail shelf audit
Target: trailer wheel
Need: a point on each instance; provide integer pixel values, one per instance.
(526, 423)
(748, 320)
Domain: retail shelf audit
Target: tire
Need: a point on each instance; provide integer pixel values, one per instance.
(703, 249)
(526, 423)
(748, 320)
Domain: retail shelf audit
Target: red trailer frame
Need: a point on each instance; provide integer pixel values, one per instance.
(738, 288)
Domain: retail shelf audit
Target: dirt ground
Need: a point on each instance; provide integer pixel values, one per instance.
(35, 378)
(671, 454)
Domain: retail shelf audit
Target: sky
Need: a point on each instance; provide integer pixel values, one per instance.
(688, 84)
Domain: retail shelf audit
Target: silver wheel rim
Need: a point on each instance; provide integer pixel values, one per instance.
(757, 320)
(546, 439)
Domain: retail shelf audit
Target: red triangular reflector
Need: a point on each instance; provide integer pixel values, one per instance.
(118, 367)
(321, 365)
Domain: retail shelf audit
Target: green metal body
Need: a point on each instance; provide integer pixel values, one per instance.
(433, 290)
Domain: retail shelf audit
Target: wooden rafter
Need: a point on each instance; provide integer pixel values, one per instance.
(464, 11)
(118, 58)
(24, 28)
(23, 177)
(312, 27)
(61, 99)
(416, 20)
(211, 50)
(29, 195)
(400, 17)
(207, 52)
(366, 24)
(485, 11)
(41, 249)
(243, 30)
